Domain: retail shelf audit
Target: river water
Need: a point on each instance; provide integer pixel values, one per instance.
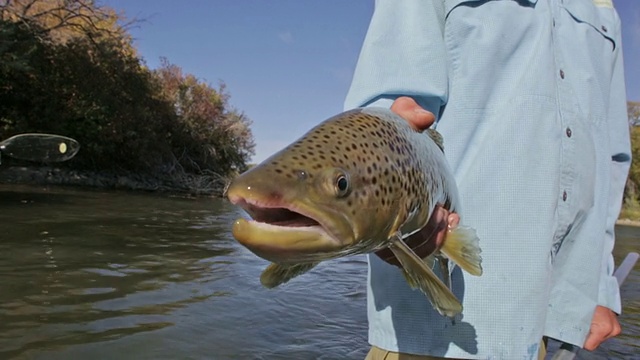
(116, 275)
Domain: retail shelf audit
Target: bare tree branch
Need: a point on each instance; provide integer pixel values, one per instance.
(53, 17)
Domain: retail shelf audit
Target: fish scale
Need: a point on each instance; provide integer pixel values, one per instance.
(361, 181)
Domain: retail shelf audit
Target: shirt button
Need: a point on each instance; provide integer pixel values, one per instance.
(562, 74)
(604, 28)
(564, 196)
(568, 132)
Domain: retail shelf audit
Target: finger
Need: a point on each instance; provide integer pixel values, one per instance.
(591, 343)
(602, 331)
(419, 118)
(445, 221)
(615, 326)
(453, 220)
(617, 329)
(594, 339)
(429, 240)
(432, 236)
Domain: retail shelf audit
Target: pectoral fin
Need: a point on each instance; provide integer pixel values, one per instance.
(461, 246)
(276, 274)
(430, 261)
(420, 276)
(443, 263)
(444, 270)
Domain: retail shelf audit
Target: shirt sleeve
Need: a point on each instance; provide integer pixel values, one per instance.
(403, 55)
(609, 294)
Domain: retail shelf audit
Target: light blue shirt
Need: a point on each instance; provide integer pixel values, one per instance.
(531, 102)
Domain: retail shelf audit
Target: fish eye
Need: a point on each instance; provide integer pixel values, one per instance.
(342, 185)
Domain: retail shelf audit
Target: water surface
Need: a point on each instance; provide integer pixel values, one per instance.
(116, 275)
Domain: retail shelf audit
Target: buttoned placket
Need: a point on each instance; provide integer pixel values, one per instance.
(566, 102)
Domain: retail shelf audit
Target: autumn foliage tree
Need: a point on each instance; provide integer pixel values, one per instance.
(633, 110)
(211, 132)
(631, 206)
(69, 67)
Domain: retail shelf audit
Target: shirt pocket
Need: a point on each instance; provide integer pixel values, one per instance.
(601, 20)
(449, 5)
(590, 47)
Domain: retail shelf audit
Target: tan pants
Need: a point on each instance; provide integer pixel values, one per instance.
(378, 354)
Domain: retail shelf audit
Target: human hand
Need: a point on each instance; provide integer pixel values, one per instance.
(604, 326)
(432, 236)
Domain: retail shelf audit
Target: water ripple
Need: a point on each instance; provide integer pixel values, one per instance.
(120, 275)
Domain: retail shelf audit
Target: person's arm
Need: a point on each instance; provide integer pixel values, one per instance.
(403, 55)
(620, 145)
(604, 324)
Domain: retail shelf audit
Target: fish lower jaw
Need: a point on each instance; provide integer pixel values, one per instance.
(284, 228)
(283, 243)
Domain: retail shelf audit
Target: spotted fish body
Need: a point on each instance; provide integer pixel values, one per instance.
(358, 182)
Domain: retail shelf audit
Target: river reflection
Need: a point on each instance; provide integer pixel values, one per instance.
(84, 267)
(89, 274)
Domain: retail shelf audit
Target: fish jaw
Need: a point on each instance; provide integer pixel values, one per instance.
(281, 244)
(285, 232)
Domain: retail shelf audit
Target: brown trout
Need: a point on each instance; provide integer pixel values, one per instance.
(359, 182)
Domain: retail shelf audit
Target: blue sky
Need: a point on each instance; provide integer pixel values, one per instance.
(287, 64)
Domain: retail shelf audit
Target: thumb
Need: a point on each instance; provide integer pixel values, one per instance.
(419, 118)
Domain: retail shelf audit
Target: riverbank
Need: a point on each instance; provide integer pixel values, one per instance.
(208, 185)
(628, 222)
(202, 185)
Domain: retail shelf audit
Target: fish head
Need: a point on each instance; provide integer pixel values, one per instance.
(320, 197)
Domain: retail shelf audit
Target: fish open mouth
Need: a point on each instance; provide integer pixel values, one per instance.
(277, 216)
(282, 233)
